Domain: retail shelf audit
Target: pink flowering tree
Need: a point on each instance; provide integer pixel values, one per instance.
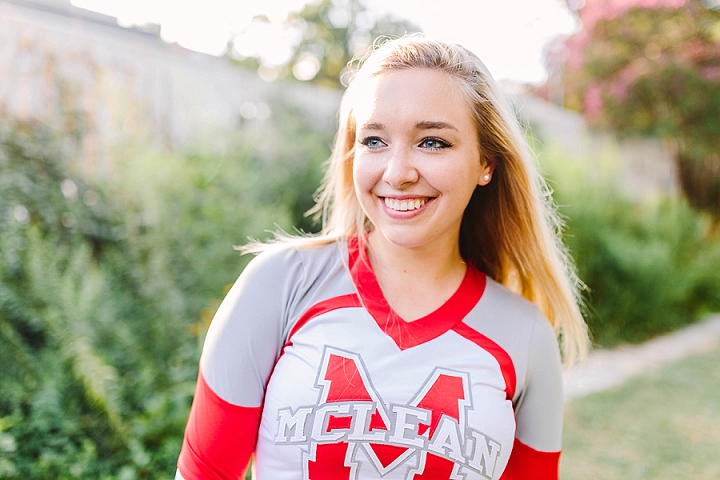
(652, 67)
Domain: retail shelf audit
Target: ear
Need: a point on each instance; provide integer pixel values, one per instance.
(486, 173)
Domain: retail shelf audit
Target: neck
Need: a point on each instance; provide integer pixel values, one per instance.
(432, 261)
(415, 281)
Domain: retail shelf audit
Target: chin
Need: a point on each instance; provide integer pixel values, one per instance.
(408, 240)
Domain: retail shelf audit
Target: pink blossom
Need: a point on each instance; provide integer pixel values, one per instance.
(595, 10)
(575, 46)
(592, 103)
(694, 48)
(620, 84)
(619, 89)
(711, 74)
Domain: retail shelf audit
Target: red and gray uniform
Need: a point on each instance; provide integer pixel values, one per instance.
(308, 368)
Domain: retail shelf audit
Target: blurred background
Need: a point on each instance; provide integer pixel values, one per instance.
(141, 140)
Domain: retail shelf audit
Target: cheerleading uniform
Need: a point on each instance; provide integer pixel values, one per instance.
(307, 367)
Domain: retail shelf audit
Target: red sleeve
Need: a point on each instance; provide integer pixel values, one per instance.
(527, 463)
(219, 438)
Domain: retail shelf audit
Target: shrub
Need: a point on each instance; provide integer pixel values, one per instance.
(106, 288)
(653, 68)
(650, 266)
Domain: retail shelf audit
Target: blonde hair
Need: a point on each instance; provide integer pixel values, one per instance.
(510, 229)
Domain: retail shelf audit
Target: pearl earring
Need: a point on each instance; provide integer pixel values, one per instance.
(486, 177)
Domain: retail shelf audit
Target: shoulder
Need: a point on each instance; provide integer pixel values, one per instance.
(294, 260)
(251, 325)
(296, 276)
(515, 310)
(517, 326)
(507, 317)
(519, 315)
(275, 284)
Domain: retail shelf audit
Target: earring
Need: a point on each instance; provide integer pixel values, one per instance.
(486, 177)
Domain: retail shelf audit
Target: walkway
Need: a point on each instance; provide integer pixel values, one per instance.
(607, 368)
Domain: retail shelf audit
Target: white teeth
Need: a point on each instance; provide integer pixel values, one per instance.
(404, 205)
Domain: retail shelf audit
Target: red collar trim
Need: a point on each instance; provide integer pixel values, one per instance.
(409, 334)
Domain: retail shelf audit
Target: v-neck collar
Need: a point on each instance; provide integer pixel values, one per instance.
(409, 334)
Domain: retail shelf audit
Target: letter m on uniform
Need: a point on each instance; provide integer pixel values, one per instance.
(431, 424)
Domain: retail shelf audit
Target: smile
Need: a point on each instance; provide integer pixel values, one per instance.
(406, 204)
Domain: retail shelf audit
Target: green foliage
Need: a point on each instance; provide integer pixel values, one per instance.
(650, 266)
(108, 284)
(655, 70)
(288, 160)
(107, 287)
(329, 34)
(49, 298)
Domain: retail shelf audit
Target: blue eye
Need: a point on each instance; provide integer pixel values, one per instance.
(373, 143)
(432, 143)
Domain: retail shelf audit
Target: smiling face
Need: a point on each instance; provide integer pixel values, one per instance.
(417, 159)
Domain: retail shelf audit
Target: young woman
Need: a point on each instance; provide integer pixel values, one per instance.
(416, 336)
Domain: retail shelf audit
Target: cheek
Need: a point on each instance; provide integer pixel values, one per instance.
(363, 176)
(458, 183)
(359, 184)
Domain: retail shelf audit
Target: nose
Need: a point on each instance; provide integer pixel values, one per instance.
(400, 169)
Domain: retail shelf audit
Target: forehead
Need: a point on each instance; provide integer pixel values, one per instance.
(412, 95)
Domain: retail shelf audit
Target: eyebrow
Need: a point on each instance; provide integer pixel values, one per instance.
(433, 126)
(424, 125)
(372, 126)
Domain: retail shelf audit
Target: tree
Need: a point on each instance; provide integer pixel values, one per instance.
(322, 38)
(652, 67)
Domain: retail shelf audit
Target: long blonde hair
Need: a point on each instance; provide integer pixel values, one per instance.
(510, 229)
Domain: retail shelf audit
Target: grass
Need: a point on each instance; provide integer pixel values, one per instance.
(664, 425)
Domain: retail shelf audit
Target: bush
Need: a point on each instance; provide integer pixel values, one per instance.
(653, 68)
(650, 266)
(107, 287)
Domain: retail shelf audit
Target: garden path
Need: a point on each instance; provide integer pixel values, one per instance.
(603, 369)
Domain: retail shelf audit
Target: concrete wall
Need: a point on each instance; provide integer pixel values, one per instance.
(642, 167)
(63, 65)
(115, 85)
